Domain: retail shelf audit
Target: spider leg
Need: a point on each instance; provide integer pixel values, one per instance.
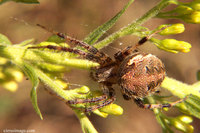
(107, 101)
(121, 55)
(107, 98)
(85, 55)
(103, 97)
(140, 103)
(90, 100)
(105, 59)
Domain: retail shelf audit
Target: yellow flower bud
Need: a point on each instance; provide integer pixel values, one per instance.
(195, 5)
(18, 76)
(3, 61)
(10, 85)
(182, 9)
(99, 113)
(185, 119)
(112, 109)
(172, 45)
(184, 127)
(173, 29)
(83, 90)
(193, 17)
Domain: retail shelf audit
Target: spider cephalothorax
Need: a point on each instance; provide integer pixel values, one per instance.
(137, 73)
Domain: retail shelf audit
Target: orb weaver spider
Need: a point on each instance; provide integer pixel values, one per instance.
(137, 73)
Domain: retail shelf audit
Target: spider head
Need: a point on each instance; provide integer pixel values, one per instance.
(140, 74)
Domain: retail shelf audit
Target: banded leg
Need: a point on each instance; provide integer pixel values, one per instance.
(103, 97)
(107, 98)
(121, 55)
(85, 55)
(105, 59)
(140, 103)
(108, 90)
(105, 103)
(90, 100)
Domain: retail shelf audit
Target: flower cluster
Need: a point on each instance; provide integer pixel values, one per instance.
(171, 45)
(10, 76)
(181, 123)
(188, 12)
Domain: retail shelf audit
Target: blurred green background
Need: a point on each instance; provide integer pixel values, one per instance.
(78, 18)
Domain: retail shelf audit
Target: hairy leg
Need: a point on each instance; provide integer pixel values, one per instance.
(140, 103)
(121, 55)
(103, 57)
(83, 54)
(107, 98)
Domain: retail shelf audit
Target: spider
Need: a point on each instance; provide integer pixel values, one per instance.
(137, 73)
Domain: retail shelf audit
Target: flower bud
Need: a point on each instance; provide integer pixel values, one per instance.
(183, 9)
(18, 76)
(193, 17)
(173, 29)
(185, 119)
(10, 85)
(195, 5)
(184, 127)
(83, 90)
(183, 108)
(172, 45)
(112, 109)
(180, 125)
(3, 61)
(99, 113)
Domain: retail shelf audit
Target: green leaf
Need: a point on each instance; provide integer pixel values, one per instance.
(21, 1)
(4, 39)
(132, 28)
(198, 75)
(29, 70)
(193, 105)
(26, 42)
(97, 33)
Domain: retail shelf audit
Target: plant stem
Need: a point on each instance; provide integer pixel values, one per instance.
(131, 28)
(86, 125)
(180, 89)
(14, 52)
(85, 122)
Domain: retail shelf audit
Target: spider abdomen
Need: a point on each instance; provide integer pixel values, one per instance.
(140, 74)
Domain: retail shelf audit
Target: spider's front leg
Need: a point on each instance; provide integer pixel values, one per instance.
(103, 59)
(121, 55)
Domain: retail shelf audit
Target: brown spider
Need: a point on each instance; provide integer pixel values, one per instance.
(138, 74)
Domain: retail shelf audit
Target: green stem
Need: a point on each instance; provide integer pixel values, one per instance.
(14, 52)
(132, 27)
(86, 125)
(179, 88)
(85, 122)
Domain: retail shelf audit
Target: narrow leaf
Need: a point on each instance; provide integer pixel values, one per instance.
(198, 75)
(35, 81)
(22, 1)
(4, 39)
(97, 33)
(193, 105)
(26, 42)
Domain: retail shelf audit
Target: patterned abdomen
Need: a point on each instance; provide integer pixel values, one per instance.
(140, 74)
